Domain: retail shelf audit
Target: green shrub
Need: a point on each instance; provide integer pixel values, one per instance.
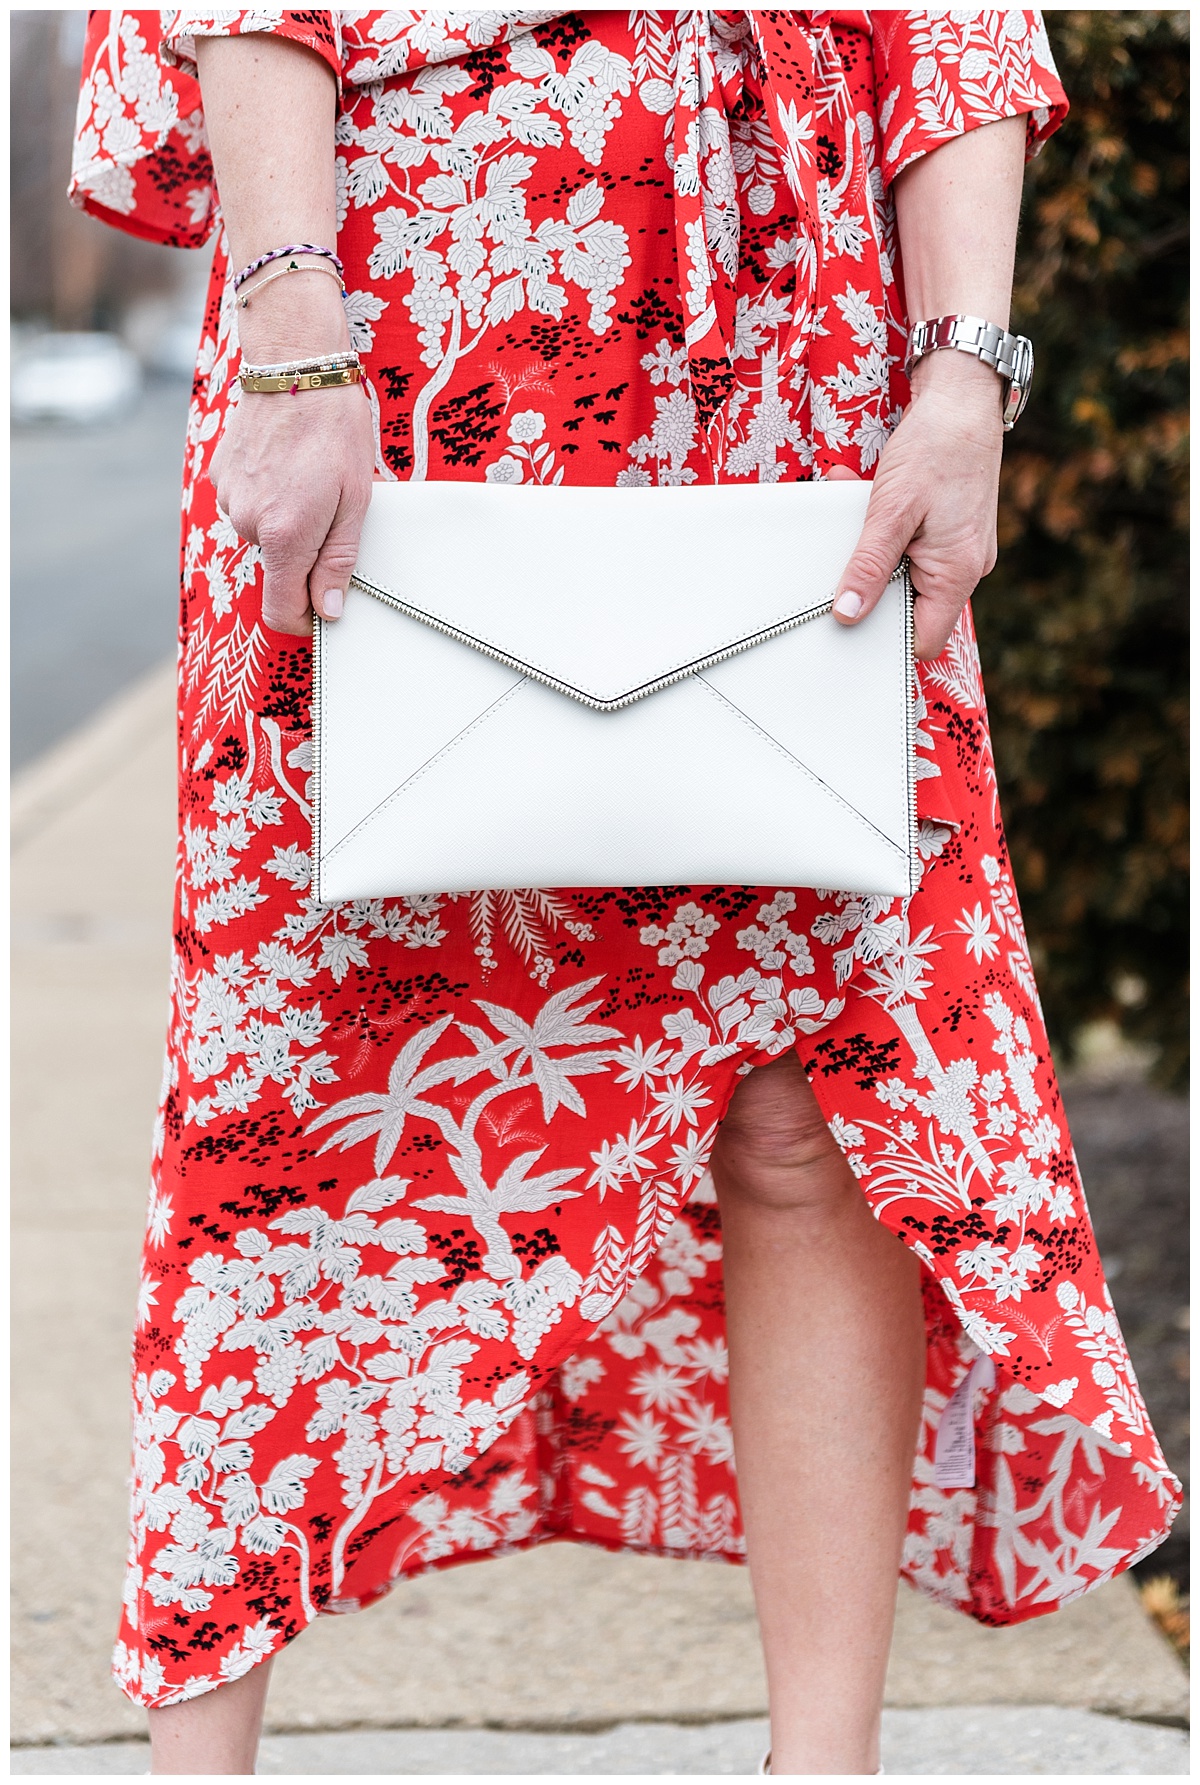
(1083, 625)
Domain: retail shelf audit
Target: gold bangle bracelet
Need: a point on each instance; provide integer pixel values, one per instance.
(275, 383)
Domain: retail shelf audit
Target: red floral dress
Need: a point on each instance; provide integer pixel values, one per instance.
(433, 1262)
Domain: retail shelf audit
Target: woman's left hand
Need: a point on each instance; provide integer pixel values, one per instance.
(934, 497)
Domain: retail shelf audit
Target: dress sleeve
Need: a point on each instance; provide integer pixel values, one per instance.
(140, 158)
(319, 31)
(940, 74)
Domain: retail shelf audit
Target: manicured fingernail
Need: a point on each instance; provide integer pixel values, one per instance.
(848, 604)
(332, 603)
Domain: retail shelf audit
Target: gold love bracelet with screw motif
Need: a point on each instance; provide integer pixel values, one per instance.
(290, 382)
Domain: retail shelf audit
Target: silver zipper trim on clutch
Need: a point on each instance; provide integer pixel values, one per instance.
(910, 721)
(561, 687)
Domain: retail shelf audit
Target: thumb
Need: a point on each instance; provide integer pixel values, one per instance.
(882, 543)
(329, 577)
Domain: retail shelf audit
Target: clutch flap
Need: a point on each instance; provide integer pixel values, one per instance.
(608, 593)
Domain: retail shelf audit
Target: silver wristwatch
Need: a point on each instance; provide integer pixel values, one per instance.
(1009, 355)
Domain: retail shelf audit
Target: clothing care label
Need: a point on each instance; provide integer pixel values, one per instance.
(954, 1449)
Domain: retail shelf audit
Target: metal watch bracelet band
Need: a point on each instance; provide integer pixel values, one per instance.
(1009, 355)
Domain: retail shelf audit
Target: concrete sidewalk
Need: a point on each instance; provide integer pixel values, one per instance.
(985, 1739)
(661, 1656)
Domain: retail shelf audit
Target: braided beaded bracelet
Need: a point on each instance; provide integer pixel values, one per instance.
(279, 253)
(319, 362)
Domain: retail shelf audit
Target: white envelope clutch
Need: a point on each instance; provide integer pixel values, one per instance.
(602, 686)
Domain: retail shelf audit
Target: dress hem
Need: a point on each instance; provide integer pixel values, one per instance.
(439, 1565)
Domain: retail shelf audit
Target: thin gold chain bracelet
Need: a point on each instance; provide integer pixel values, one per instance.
(291, 267)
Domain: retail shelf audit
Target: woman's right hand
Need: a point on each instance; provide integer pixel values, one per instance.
(293, 473)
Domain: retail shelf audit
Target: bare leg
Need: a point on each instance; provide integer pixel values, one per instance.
(215, 1733)
(827, 1363)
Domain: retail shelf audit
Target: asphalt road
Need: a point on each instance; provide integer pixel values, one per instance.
(95, 546)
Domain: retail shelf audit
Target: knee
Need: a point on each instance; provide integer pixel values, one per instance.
(775, 1150)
